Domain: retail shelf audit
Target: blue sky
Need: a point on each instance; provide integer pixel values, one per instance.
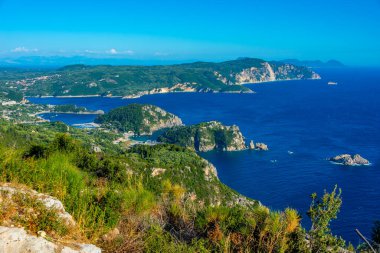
(203, 30)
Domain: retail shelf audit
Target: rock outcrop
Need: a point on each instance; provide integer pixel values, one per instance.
(17, 240)
(261, 146)
(156, 119)
(350, 160)
(251, 145)
(157, 171)
(209, 171)
(51, 203)
(206, 136)
(258, 146)
(21, 206)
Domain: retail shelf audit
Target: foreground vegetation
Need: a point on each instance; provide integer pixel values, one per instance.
(162, 198)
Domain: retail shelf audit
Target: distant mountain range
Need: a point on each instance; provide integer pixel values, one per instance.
(60, 61)
(314, 64)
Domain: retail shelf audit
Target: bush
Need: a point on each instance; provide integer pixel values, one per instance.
(321, 212)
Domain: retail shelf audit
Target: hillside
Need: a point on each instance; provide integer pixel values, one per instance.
(134, 81)
(161, 198)
(138, 118)
(206, 136)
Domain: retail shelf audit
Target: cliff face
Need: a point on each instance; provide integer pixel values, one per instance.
(156, 118)
(268, 72)
(207, 136)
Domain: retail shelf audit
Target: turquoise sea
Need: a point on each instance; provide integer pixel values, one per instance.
(303, 123)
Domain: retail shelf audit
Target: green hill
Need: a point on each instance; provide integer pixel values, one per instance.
(132, 81)
(138, 118)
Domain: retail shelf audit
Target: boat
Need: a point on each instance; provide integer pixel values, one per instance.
(332, 83)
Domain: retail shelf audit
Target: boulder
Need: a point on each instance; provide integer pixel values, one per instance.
(261, 146)
(157, 171)
(16, 240)
(251, 145)
(350, 160)
(49, 201)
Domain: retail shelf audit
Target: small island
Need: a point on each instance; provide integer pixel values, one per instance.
(349, 160)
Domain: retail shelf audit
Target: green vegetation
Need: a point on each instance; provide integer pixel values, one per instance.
(132, 80)
(376, 233)
(160, 198)
(27, 211)
(321, 212)
(375, 240)
(69, 108)
(138, 118)
(204, 137)
(14, 95)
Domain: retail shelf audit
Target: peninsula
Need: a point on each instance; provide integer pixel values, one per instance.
(135, 81)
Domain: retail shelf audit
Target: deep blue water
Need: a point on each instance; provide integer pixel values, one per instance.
(309, 118)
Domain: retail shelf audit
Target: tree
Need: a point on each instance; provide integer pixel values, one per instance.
(376, 232)
(321, 212)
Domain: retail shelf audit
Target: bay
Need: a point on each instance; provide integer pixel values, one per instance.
(303, 122)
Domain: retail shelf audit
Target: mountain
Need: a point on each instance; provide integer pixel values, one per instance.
(314, 64)
(134, 81)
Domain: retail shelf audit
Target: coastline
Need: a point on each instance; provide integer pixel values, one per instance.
(37, 114)
(164, 90)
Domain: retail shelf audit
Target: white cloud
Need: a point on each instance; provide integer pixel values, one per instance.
(23, 50)
(114, 52)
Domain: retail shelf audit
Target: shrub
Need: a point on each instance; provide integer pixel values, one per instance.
(321, 212)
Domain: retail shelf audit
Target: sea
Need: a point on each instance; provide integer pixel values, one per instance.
(303, 123)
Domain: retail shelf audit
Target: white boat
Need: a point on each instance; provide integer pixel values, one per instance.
(332, 83)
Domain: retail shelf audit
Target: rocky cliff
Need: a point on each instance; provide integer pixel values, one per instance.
(156, 118)
(206, 136)
(267, 72)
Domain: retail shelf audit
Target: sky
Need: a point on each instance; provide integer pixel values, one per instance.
(213, 30)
